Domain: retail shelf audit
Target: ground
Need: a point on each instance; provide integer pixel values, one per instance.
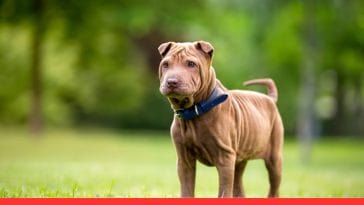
(104, 163)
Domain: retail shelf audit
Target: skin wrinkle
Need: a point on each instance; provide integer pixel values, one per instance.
(178, 55)
(246, 126)
(204, 89)
(238, 117)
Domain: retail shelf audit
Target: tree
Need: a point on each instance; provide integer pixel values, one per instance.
(306, 97)
(36, 121)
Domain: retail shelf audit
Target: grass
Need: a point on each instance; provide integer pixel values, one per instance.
(104, 163)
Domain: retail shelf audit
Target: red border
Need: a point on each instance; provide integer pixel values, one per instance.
(175, 201)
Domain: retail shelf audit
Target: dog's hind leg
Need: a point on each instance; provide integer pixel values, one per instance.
(238, 190)
(274, 167)
(273, 160)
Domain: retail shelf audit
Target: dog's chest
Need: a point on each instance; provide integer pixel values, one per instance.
(203, 155)
(200, 141)
(203, 149)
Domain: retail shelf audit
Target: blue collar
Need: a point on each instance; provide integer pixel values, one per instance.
(201, 107)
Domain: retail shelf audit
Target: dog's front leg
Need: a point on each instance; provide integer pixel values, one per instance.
(226, 169)
(186, 165)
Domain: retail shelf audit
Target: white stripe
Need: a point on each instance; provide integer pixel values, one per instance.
(196, 110)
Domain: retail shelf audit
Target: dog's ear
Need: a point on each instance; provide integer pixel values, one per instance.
(206, 47)
(164, 48)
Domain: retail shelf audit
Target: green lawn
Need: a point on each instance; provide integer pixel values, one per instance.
(102, 163)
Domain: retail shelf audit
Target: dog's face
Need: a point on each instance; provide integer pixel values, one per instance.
(183, 71)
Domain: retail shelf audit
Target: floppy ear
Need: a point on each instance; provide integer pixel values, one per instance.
(206, 47)
(164, 48)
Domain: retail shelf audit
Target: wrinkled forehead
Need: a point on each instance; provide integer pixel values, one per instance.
(183, 51)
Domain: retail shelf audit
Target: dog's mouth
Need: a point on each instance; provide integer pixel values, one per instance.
(180, 102)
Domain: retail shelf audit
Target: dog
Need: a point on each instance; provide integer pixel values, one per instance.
(216, 126)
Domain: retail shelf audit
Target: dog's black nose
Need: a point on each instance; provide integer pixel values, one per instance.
(172, 82)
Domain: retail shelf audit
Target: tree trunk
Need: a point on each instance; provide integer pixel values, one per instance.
(36, 122)
(338, 125)
(306, 114)
(358, 108)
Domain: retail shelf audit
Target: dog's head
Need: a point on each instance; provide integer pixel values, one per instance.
(185, 72)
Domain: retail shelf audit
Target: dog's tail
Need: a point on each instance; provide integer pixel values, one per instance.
(271, 86)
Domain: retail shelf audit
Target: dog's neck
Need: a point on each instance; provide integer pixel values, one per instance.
(206, 87)
(215, 98)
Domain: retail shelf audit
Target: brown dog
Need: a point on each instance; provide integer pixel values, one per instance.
(219, 127)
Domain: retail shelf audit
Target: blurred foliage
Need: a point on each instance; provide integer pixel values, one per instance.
(99, 58)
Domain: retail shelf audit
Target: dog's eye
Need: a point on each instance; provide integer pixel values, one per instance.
(191, 64)
(165, 64)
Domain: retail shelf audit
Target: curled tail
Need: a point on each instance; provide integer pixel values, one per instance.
(271, 86)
